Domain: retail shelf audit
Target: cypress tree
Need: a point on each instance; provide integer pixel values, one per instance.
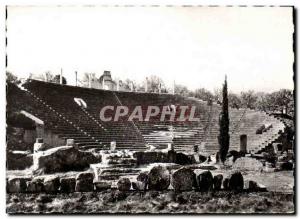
(224, 125)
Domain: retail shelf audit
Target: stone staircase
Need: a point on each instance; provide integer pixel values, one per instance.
(61, 98)
(115, 165)
(82, 138)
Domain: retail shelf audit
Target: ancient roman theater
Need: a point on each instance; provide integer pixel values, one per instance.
(58, 144)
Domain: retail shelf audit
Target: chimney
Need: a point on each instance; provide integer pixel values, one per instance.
(61, 77)
(174, 87)
(90, 80)
(118, 84)
(131, 86)
(146, 85)
(76, 78)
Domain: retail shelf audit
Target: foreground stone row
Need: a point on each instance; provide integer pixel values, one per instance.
(158, 178)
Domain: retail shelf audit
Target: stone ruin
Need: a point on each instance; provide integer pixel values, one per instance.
(122, 170)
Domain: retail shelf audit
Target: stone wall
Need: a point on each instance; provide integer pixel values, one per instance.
(52, 139)
(158, 178)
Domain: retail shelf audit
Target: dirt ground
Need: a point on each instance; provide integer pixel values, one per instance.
(151, 202)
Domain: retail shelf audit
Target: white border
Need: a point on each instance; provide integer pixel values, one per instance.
(106, 2)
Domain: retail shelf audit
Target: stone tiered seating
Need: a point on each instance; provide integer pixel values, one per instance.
(244, 122)
(54, 104)
(61, 98)
(159, 133)
(18, 100)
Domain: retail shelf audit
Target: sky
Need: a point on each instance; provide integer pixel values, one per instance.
(193, 46)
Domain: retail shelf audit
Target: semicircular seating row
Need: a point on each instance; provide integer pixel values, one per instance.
(55, 105)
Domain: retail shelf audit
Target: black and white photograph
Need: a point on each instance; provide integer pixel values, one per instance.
(150, 109)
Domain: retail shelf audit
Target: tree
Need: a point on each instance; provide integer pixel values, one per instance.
(48, 76)
(155, 83)
(284, 100)
(181, 90)
(224, 125)
(56, 79)
(86, 78)
(263, 101)
(249, 99)
(204, 94)
(218, 95)
(128, 84)
(10, 77)
(234, 101)
(276, 101)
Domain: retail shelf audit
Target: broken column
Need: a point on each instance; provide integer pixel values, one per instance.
(70, 142)
(39, 145)
(170, 147)
(146, 85)
(113, 145)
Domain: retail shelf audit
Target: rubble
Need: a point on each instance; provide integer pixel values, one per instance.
(62, 159)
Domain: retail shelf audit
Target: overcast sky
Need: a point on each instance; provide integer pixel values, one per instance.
(195, 46)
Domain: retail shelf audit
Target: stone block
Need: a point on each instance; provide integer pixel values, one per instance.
(226, 184)
(102, 185)
(142, 181)
(159, 178)
(124, 184)
(51, 184)
(84, 182)
(67, 185)
(17, 184)
(236, 182)
(36, 185)
(64, 158)
(218, 181)
(205, 181)
(183, 179)
(85, 176)
(84, 186)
